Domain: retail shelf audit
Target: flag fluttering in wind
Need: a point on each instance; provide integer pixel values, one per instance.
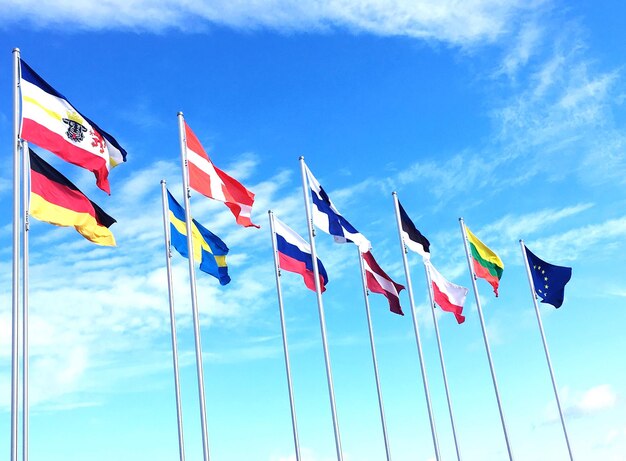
(379, 282)
(327, 218)
(549, 279)
(447, 295)
(212, 182)
(294, 255)
(50, 121)
(487, 264)
(54, 199)
(208, 249)
(413, 238)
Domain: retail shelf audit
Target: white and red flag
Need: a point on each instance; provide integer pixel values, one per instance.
(379, 282)
(212, 182)
(50, 121)
(449, 296)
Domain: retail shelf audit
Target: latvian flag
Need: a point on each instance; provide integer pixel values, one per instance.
(413, 239)
(54, 199)
(448, 296)
(213, 183)
(327, 218)
(379, 282)
(294, 255)
(50, 121)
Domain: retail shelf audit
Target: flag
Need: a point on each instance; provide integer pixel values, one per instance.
(379, 282)
(327, 218)
(449, 296)
(54, 199)
(413, 238)
(294, 255)
(549, 280)
(213, 183)
(50, 121)
(208, 248)
(487, 264)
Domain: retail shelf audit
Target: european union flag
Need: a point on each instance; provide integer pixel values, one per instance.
(208, 249)
(549, 280)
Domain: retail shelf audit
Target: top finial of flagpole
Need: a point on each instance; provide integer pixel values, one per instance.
(521, 241)
(180, 113)
(461, 219)
(394, 193)
(163, 181)
(269, 212)
(16, 50)
(301, 158)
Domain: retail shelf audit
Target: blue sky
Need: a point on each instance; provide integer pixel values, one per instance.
(508, 113)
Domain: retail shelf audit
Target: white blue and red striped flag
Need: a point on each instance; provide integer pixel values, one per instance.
(294, 255)
(327, 218)
(50, 121)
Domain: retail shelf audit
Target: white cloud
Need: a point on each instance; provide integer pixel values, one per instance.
(458, 23)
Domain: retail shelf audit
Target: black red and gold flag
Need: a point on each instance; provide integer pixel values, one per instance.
(56, 200)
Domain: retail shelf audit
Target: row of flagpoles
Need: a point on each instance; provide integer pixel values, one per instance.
(49, 120)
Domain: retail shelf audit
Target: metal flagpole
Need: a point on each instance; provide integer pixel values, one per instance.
(25, 263)
(545, 348)
(443, 366)
(374, 361)
(320, 308)
(16, 253)
(192, 285)
(484, 329)
(170, 291)
(409, 288)
(294, 422)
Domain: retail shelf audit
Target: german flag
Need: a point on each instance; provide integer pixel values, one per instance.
(54, 199)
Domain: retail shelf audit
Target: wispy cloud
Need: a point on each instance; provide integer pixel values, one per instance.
(458, 23)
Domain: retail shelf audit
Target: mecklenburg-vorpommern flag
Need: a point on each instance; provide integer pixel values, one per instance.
(294, 255)
(487, 264)
(54, 199)
(327, 218)
(208, 249)
(549, 280)
(50, 121)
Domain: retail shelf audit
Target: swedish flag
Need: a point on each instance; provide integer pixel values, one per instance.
(208, 249)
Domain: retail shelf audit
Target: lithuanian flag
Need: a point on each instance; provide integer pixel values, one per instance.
(487, 264)
(54, 199)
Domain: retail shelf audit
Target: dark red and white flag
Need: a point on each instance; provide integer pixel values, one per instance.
(379, 282)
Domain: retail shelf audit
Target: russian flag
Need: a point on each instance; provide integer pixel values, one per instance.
(50, 121)
(294, 255)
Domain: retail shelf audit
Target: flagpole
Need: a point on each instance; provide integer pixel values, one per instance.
(192, 285)
(25, 307)
(16, 254)
(170, 291)
(443, 366)
(283, 329)
(545, 347)
(374, 361)
(409, 287)
(320, 308)
(484, 329)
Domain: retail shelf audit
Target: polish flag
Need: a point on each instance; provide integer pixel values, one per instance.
(448, 296)
(212, 182)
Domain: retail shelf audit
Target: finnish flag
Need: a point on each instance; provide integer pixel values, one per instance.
(327, 218)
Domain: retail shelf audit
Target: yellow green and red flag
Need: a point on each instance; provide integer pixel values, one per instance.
(487, 264)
